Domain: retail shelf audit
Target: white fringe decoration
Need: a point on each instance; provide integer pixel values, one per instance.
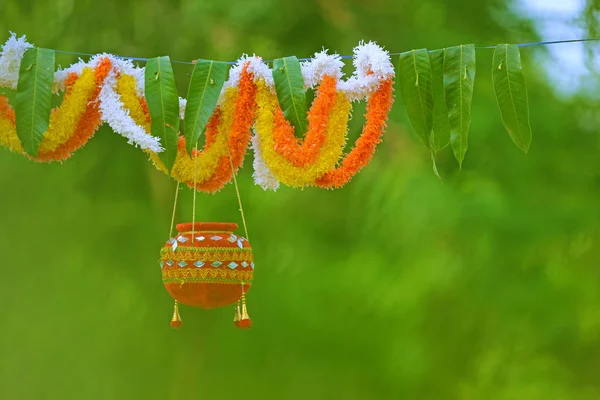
(10, 60)
(117, 116)
(262, 175)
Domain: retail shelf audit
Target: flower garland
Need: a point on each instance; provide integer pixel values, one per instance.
(227, 134)
(116, 115)
(378, 108)
(108, 89)
(313, 163)
(239, 137)
(270, 118)
(88, 120)
(286, 143)
(72, 124)
(262, 175)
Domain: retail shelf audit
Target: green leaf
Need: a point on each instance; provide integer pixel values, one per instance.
(289, 84)
(205, 87)
(434, 165)
(34, 96)
(414, 77)
(163, 105)
(459, 76)
(511, 92)
(441, 126)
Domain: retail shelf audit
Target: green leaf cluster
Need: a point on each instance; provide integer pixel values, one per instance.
(437, 90)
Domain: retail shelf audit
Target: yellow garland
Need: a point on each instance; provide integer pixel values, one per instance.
(183, 169)
(64, 120)
(126, 88)
(329, 155)
(8, 134)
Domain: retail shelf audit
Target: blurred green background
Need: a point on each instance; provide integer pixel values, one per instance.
(485, 286)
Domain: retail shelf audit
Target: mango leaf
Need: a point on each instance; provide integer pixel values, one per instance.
(511, 92)
(459, 77)
(163, 105)
(205, 87)
(33, 98)
(440, 137)
(289, 85)
(414, 77)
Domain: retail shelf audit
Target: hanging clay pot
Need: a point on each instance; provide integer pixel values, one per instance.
(207, 265)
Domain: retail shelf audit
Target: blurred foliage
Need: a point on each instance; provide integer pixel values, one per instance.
(397, 286)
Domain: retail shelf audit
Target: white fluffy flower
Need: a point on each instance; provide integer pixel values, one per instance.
(256, 66)
(369, 58)
(117, 116)
(10, 60)
(372, 65)
(61, 75)
(322, 64)
(262, 175)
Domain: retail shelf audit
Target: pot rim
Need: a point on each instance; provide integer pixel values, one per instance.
(207, 227)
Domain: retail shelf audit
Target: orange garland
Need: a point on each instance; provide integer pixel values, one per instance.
(287, 144)
(378, 109)
(238, 140)
(238, 136)
(87, 124)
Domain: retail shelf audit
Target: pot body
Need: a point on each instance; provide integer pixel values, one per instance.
(207, 265)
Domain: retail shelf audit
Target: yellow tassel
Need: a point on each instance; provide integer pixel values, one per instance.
(237, 316)
(245, 321)
(176, 321)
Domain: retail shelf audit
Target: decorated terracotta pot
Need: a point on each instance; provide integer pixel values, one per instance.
(207, 265)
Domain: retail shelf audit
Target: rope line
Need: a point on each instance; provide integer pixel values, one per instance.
(237, 192)
(544, 43)
(195, 190)
(174, 209)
